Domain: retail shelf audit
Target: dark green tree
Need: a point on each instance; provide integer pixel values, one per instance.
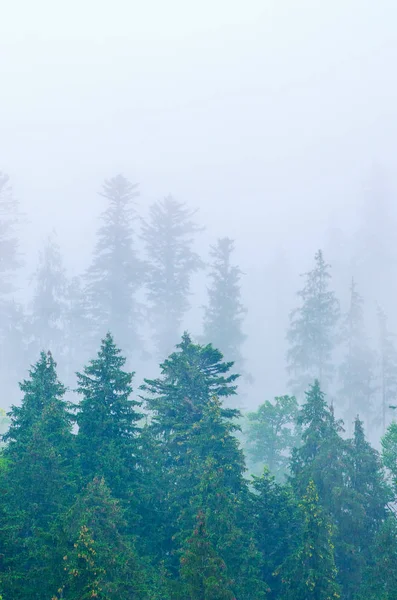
(272, 434)
(168, 235)
(224, 313)
(357, 369)
(380, 579)
(107, 421)
(312, 331)
(116, 273)
(276, 526)
(362, 518)
(389, 452)
(388, 367)
(203, 572)
(98, 561)
(310, 572)
(37, 483)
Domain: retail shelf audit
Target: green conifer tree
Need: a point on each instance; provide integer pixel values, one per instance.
(107, 421)
(203, 572)
(98, 561)
(271, 434)
(37, 482)
(312, 329)
(310, 572)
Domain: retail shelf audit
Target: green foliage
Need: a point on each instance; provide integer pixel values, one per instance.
(272, 434)
(37, 483)
(276, 525)
(108, 421)
(203, 572)
(389, 451)
(312, 329)
(310, 572)
(98, 561)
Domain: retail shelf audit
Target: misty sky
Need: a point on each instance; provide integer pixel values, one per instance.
(266, 114)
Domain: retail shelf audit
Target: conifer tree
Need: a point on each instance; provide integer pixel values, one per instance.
(310, 573)
(47, 326)
(98, 561)
(37, 483)
(168, 235)
(388, 366)
(77, 327)
(359, 526)
(356, 371)
(224, 314)
(203, 571)
(116, 273)
(272, 434)
(108, 421)
(276, 524)
(312, 329)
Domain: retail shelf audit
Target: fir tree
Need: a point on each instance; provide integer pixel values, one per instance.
(276, 526)
(388, 366)
(312, 329)
(49, 301)
(108, 421)
(362, 518)
(223, 316)
(37, 483)
(272, 434)
(310, 573)
(380, 579)
(98, 561)
(116, 273)
(203, 571)
(168, 236)
(356, 371)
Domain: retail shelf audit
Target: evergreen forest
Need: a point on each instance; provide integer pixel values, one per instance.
(141, 460)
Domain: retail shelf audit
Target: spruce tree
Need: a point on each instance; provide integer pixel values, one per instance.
(178, 402)
(312, 332)
(203, 572)
(362, 519)
(47, 320)
(276, 524)
(272, 434)
(388, 367)
(310, 573)
(224, 314)
(37, 483)
(116, 273)
(98, 561)
(356, 371)
(107, 421)
(168, 235)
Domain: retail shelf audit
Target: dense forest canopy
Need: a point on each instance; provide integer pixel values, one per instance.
(139, 460)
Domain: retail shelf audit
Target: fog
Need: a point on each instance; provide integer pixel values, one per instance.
(277, 120)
